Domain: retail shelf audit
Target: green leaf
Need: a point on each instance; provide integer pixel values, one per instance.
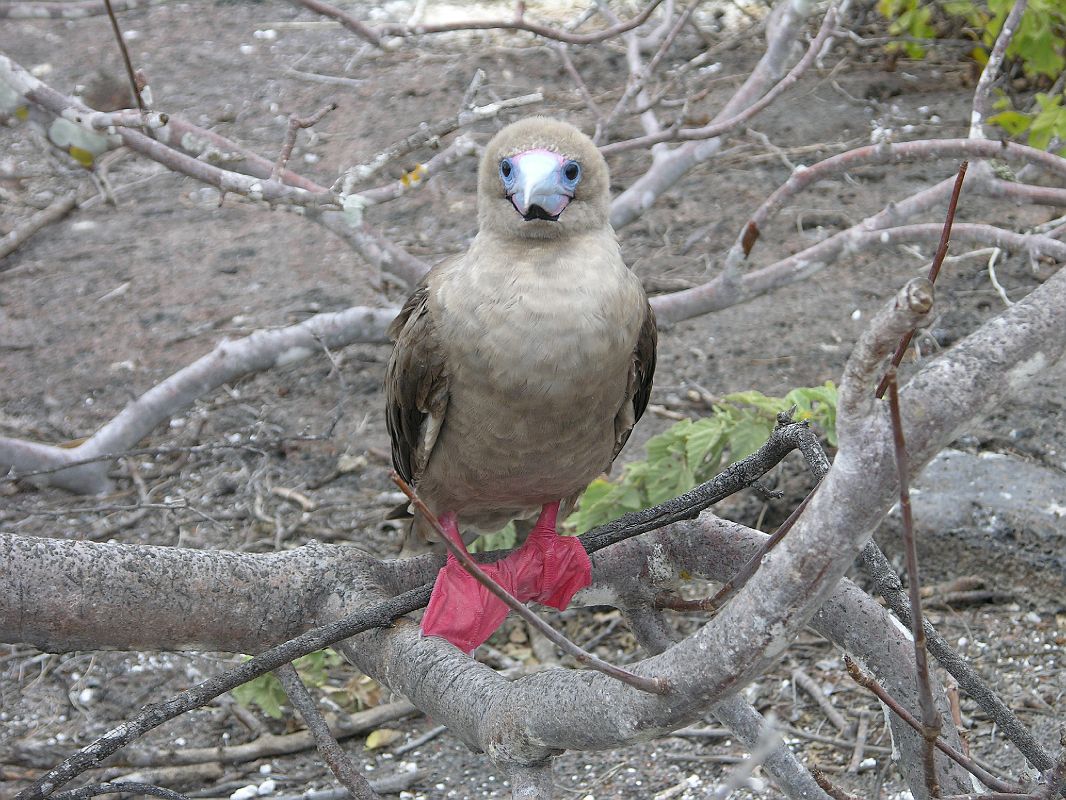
(266, 691)
(700, 445)
(503, 539)
(747, 437)
(691, 451)
(1013, 122)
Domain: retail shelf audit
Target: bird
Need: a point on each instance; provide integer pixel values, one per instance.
(518, 371)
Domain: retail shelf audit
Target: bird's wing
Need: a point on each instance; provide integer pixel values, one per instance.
(416, 385)
(641, 371)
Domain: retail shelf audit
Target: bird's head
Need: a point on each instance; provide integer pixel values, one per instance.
(541, 178)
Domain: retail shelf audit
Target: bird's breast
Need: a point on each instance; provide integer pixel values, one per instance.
(538, 361)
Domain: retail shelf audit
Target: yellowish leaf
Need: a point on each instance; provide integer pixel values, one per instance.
(82, 156)
(382, 737)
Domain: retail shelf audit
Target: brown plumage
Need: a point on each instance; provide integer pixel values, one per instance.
(521, 366)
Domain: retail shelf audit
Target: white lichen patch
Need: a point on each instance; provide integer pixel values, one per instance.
(292, 355)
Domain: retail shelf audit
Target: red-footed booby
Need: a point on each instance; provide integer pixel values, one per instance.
(519, 370)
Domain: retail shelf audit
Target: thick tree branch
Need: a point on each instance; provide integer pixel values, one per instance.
(230, 359)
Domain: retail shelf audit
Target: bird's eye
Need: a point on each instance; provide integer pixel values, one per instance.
(572, 171)
(506, 168)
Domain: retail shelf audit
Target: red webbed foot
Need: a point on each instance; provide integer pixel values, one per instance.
(460, 609)
(551, 568)
(548, 569)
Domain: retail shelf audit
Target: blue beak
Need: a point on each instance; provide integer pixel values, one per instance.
(537, 185)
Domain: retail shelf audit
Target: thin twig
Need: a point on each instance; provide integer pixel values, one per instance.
(830, 788)
(1056, 779)
(724, 126)
(971, 766)
(811, 687)
(651, 685)
(764, 747)
(22, 232)
(97, 789)
(889, 587)
(295, 125)
(150, 717)
(336, 759)
(860, 741)
(751, 566)
(426, 134)
(844, 744)
(582, 87)
(418, 741)
(934, 269)
(126, 58)
(66, 9)
(931, 722)
(993, 796)
(376, 35)
(640, 75)
(819, 465)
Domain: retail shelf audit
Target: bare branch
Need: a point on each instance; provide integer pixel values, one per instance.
(971, 766)
(575, 76)
(427, 134)
(664, 173)
(931, 722)
(107, 120)
(25, 85)
(719, 293)
(58, 209)
(125, 58)
(376, 35)
(356, 26)
(419, 175)
(268, 745)
(721, 127)
(890, 588)
(152, 716)
(909, 308)
(934, 271)
(833, 791)
(372, 246)
(260, 351)
(335, 757)
(531, 782)
(768, 742)
(295, 125)
(97, 789)
(814, 691)
(639, 73)
(982, 100)
(884, 153)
